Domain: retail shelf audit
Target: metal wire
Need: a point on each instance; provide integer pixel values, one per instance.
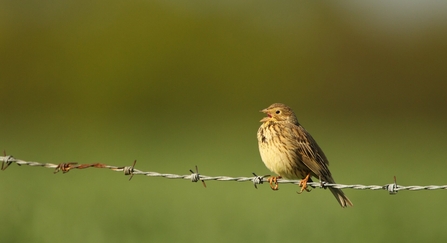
(392, 188)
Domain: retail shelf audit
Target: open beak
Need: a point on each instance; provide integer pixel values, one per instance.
(267, 118)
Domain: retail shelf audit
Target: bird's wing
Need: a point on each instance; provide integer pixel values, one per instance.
(310, 153)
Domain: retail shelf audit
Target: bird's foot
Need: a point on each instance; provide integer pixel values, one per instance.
(303, 184)
(273, 180)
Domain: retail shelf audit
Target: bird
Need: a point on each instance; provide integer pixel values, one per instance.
(288, 150)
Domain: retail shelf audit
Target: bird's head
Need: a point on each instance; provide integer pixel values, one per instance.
(278, 112)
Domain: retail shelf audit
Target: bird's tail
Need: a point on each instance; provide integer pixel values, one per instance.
(341, 197)
(339, 194)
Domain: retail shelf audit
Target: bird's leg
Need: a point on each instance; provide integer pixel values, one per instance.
(273, 180)
(303, 184)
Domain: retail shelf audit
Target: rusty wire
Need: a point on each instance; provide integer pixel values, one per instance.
(392, 188)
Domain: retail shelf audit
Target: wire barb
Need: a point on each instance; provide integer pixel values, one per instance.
(65, 167)
(128, 170)
(195, 177)
(257, 180)
(393, 189)
(7, 160)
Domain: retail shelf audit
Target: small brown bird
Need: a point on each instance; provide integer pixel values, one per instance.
(288, 150)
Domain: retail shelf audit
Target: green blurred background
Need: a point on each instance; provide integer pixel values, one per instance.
(176, 84)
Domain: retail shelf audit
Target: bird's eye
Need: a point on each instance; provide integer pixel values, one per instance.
(278, 111)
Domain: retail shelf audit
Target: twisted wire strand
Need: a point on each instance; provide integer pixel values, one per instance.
(392, 188)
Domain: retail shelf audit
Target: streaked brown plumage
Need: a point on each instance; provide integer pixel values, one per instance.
(288, 150)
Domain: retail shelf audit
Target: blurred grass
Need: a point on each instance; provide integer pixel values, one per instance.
(176, 84)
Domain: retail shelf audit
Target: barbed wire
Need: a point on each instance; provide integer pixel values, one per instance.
(392, 188)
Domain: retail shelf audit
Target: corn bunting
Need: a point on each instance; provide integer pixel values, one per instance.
(288, 150)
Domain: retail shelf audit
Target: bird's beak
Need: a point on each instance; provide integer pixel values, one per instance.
(267, 118)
